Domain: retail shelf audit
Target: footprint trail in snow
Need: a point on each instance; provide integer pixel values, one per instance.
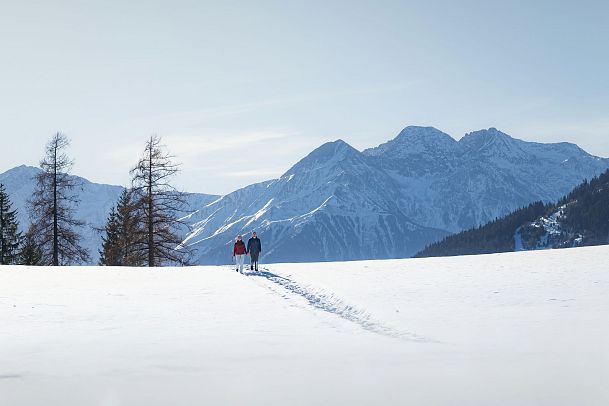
(330, 303)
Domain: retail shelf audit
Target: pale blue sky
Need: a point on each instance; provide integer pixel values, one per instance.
(241, 90)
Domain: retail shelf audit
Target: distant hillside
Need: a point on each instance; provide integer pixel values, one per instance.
(579, 219)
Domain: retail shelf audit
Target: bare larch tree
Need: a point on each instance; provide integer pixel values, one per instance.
(52, 207)
(159, 203)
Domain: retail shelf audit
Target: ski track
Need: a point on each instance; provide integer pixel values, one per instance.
(330, 303)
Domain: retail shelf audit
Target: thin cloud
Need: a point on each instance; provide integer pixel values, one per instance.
(204, 143)
(168, 122)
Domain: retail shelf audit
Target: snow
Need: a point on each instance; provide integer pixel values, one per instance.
(505, 329)
(188, 216)
(412, 190)
(554, 235)
(214, 202)
(259, 213)
(518, 246)
(96, 200)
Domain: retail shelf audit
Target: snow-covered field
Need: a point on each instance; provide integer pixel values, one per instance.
(526, 328)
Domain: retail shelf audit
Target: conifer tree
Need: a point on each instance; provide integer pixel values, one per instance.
(10, 237)
(109, 253)
(30, 254)
(158, 203)
(53, 205)
(121, 234)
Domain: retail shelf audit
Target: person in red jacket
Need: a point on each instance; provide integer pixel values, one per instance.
(239, 252)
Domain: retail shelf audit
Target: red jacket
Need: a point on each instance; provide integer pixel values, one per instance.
(239, 248)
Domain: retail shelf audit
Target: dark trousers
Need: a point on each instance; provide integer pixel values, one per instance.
(254, 260)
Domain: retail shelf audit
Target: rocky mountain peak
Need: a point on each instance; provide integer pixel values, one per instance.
(328, 154)
(414, 133)
(416, 140)
(481, 139)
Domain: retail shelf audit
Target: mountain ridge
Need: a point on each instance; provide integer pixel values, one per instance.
(417, 187)
(581, 218)
(390, 201)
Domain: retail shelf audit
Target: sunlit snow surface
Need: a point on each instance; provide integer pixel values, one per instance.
(509, 329)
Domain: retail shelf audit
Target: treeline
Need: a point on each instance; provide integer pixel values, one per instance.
(496, 236)
(141, 229)
(584, 211)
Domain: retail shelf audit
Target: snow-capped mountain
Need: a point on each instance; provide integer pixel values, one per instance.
(331, 205)
(338, 203)
(389, 201)
(96, 200)
(454, 185)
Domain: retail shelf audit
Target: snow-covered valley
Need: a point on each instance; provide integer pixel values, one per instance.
(507, 329)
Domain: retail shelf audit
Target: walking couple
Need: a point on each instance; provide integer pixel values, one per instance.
(253, 249)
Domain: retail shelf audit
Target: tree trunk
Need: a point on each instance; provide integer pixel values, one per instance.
(55, 225)
(150, 208)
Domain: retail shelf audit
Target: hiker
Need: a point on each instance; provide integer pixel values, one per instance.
(239, 252)
(254, 248)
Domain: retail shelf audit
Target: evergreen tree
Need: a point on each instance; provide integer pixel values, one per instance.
(52, 207)
(122, 230)
(585, 211)
(30, 254)
(109, 253)
(158, 202)
(10, 237)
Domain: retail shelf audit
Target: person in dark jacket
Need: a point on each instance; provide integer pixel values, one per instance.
(254, 248)
(239, 252)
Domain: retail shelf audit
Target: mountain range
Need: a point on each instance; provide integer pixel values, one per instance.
(391, 201)
(338, 203)
(581, 218)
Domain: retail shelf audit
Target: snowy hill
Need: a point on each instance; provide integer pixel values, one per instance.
(524, 328)
(96, 202)
(389, 201)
